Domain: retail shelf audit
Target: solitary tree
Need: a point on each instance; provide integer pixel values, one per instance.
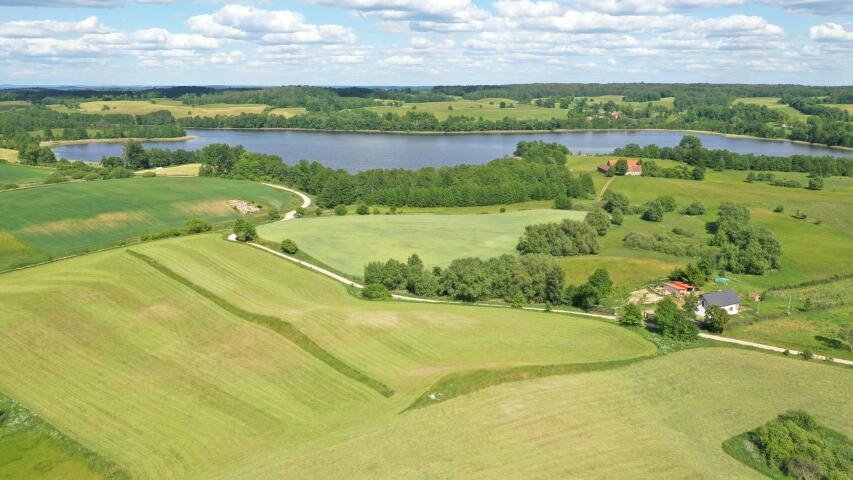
(245, 231)
(716, 319)
(289, 246)
(599, 220)
(631, 315)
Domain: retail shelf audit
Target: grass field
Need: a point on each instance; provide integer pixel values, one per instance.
(55, 220)
(773, 102)
(488, 108)
(178, 109)
(166, 384)
(9, 155)
(22, 174)
(619, 99)
(347, 243)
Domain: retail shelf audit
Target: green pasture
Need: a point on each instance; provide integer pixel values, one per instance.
(56, 220)
(166, 384)
(773, 102)
(178, 109)
(22, 174)
(347, 243)
(619, 99)
(488, 108)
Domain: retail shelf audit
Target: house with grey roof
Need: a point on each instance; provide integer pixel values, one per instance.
(727, 299)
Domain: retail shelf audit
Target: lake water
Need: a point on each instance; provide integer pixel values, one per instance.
(360, 151)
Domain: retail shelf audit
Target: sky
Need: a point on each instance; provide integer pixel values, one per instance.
(424, 42)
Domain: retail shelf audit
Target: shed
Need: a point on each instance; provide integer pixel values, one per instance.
(678, 288)
(728, 300)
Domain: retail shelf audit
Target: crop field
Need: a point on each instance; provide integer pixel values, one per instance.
(773, 102)
(488, 108)
(22, 174)
(188, 170)
(178, 109)
(55, 220)
(167, 384)
(8, 155)
(347, 243)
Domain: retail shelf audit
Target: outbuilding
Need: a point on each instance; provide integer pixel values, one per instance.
(678, 288)
(728, 300)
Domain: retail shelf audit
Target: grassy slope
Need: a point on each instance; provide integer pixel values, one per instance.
(139, 107)
(65, 218)
(773, 102)
(663, 418)
(488, 108)
(348, 243)
(22, 174)
(150, 374)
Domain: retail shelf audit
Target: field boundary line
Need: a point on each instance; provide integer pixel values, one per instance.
(277, 325)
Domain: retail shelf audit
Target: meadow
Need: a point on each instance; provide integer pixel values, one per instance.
(773, 102)
(163, 383)
(22, 174)
(56, 220)
(347, 243)
(178, 109)
(166, 384)
(488, 108)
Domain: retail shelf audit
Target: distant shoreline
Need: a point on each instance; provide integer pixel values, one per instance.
(59, 143)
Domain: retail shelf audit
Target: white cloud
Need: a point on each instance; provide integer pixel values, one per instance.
(634, 7)
(815, 7)
(48, 28)
(403, 60)
(229, 58)
(527, 8)
(739, 25)
(831, 32)
(267, 26)
(63, 3)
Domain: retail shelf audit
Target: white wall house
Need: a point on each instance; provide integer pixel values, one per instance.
(728, 300)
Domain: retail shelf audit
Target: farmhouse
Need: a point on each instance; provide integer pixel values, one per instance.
(634, 167)
(728, 300)
(678, 289)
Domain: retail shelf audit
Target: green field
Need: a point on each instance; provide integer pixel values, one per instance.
(22, 174)
(488, 108)
(56, 220)
(178, 109)
(347, 243)
(773, 102)
(156, 378)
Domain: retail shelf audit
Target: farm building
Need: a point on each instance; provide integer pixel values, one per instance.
(678, 289)
(634, 167)
(728, 300)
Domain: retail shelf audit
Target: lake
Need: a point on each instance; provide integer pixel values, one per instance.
(361, 151)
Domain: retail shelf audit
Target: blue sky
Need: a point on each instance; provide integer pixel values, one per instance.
(424, 42)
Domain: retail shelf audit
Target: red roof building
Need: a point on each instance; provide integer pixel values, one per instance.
(634, 167)
(678, 288)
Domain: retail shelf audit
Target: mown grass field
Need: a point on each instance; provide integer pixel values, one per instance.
(773, 102)
(166, 384)
(9, 155)
(347, 243)
(22, 174)
(488, 108)
(178, 109)
(619, 99)
(56, 220)
(659, 419)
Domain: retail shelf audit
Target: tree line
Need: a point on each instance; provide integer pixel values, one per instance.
(691, 152)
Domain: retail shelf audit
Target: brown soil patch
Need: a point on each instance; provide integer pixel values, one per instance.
(102, 221)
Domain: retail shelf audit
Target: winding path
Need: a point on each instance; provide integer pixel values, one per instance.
(306, 201)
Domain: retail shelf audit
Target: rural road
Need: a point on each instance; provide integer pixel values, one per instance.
(306, 201)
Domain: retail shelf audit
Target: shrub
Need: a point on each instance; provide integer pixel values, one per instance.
(196, 225)
(273, 214)
(807, 354)
(667, 203)
(695, 208)
(682, 232)
(361, 210)
(653, 212)
(815, 183)
(614, 201)
(55, 178)
(631, 315)
(318, 211)
(562, 202)
(779, 208)
(8, 186)
(503, 210)
(289, 246)
(341, 210)
(716, 319)
(598, 219)
(245, 231)
(148, 174)
(616, 217)
(300, 212)
(567, 238)
(376, 211)
(375, 291)
(92, 176)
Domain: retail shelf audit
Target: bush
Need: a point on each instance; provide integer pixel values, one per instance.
(273, 214)
(695, 208)
(147, 174)
(567, 238)
(562, 202)
(653, 212)
(667, 203)
(503, 210)
(55, 178)
(8, 186)
(815, 183)
(375, 291)
(289, 246)
(318, 211)
(341, 210)
(599, 220)
(779, 208)
(716, 319)
(92, 176)
(631, 315)
(196, 225)
(362, 210)
(682, 232)
(616, 217)
(245, 231)
(614, 201)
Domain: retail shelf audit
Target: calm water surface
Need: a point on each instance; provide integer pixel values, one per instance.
(360, 151)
